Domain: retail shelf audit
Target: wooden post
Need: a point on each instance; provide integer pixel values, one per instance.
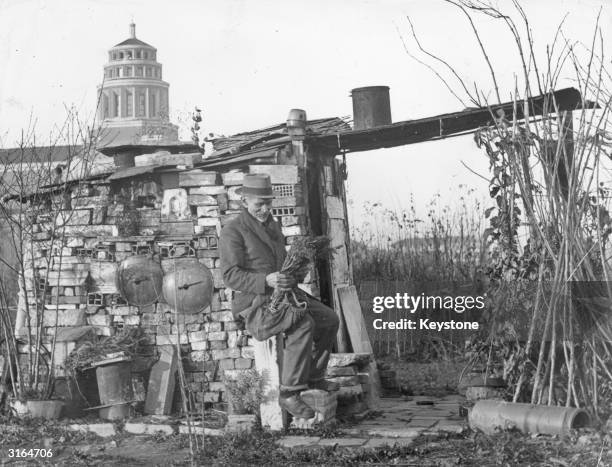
(360, 341)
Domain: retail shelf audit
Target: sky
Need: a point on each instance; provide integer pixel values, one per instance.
(247, 63)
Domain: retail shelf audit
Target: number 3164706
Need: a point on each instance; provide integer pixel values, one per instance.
(30, 453)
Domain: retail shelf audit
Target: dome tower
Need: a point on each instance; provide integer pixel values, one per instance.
(133, 106)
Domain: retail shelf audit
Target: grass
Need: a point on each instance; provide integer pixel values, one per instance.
(443, 254)
(447, 245)
(472, 448)
(585, 447)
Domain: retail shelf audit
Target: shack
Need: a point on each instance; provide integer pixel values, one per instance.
(172, 202)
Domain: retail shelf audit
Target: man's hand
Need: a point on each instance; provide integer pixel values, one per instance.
(276, 280)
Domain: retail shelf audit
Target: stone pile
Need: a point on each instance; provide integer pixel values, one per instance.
(350, 371)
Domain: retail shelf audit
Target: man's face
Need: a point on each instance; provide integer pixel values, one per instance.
(259, 208)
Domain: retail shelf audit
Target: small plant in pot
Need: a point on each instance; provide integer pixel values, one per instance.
(245, 395)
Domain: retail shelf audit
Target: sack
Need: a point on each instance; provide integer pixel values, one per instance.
(264, 323)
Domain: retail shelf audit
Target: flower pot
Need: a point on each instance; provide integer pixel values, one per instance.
(47, 409)
(243, 422)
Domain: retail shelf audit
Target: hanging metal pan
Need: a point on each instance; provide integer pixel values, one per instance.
(140, 280)
(188, 286)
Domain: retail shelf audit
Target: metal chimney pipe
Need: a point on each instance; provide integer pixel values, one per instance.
(371, 107)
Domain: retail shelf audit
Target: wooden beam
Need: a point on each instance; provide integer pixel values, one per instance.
(445, 125)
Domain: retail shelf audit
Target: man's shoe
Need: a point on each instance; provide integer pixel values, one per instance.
(296, 406)
(324, 385)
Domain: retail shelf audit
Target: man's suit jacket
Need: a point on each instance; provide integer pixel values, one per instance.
(249, 252)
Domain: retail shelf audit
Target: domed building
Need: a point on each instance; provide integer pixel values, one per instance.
(133, 99)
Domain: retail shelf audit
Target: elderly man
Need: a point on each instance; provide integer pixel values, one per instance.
(252, 253)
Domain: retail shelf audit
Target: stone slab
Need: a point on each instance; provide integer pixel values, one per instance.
(388, 430)
(103, 430)
(160, 391)
(148, 428)
(297, 441)
(184, 430)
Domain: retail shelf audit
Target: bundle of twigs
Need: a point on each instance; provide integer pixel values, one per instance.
(302, 253)
(128, 341)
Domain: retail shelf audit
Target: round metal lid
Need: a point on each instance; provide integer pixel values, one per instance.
(140, 280)
(188, 286)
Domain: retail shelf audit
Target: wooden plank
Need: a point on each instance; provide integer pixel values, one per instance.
(452, 124)
(160, 391)
(336, 232)
(341, 336)
(358, 334)
(340, 266)
(267, 363)
(279, 174)
(334, 207)
(351, 309)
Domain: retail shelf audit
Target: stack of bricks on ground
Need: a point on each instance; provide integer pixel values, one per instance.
(76, 254)
(350, 371)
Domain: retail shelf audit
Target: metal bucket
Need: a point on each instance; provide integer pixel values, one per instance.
(371, 107)
(487, 415)
(115, 389)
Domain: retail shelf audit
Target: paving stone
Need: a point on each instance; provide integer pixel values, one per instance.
(378, 442)
(450, 425)
(101, 429)
(184, 430)
(297, 441)
(147, 428)
(342, 442)
(406, 432)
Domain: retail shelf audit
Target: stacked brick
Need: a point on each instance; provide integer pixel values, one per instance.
(97, 229)
(350, 371)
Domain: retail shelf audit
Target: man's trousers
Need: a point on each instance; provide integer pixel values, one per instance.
(309, 338)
